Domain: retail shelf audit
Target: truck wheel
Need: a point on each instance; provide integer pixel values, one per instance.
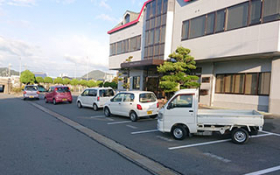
(239, 136)
(79, 104)
(179, 132)
(95, 107)
(133, 116)
(107, 112)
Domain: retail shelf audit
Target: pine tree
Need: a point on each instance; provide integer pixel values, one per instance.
(176, 71)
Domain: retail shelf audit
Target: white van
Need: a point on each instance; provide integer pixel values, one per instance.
(95, 97)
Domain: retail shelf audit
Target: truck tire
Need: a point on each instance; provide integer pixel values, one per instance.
(239, 136)
(107, 112)
(133, 116)
(179, 132)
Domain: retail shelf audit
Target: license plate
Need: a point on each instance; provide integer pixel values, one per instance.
(149, 112)
(64, 99)
(31, 96)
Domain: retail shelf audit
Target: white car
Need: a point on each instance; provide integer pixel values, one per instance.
(133, 104)
(95, 97)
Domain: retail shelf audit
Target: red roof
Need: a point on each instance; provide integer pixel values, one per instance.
(135, 21)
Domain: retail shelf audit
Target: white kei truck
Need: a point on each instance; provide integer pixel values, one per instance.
(181, 116)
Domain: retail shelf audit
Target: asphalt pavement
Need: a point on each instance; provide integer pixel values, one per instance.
(33, 142)
(195, 155)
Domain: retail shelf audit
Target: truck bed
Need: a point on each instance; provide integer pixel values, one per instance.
(229, 117)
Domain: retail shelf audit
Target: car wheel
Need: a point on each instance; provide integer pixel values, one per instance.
(46, 101)
(70, 102)
(79, 104)
(54, 102)
(133, 116)
(107, 112)
(239, 136)
(153, 116)
(179, 132)
(24, 99)
(95, 107)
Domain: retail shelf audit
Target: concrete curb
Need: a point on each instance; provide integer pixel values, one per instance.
(142, 161)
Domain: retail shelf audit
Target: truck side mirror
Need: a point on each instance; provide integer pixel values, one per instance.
(170, 106)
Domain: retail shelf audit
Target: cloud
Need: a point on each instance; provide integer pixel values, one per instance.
(65, 1)
(25, 3)
(16, 47)
(105, 17)
(103, 3)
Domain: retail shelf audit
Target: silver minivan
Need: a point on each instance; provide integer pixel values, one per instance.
(95, 97)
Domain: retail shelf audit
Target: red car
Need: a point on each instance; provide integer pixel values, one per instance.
(58, 94)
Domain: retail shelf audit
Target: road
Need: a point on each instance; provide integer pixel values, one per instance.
(33, 142)
(194, 155)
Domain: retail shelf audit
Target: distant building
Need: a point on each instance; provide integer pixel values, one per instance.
(40, 74)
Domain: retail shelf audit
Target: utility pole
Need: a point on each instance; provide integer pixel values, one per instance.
(20, 66)
(87, 68)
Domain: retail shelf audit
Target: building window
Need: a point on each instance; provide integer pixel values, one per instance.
(136, 82)
(264, 83)
(220, 21)
(125, 46)
(271, 10)
(255, 12)
(127, 18)
(237, 16)
(249, 84)
(197, 28)
(185, 30)
(219, 84)
(210, 22)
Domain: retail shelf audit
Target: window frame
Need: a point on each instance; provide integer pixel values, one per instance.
(244, 88)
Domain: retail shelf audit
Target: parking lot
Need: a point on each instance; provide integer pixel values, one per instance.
(195, 155)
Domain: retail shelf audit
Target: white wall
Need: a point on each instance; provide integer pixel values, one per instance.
(274, 101)
(249, 40)
(129, 32)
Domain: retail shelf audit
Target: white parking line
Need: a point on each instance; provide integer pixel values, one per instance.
(130, 126)
(217, 157)
(270, 133)
(265, 171)
(165, 139)
(114, 123)
(213, 142)
(147, 131)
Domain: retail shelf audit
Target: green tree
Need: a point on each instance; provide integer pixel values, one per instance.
(39, 80)
(74, 82)
(27, 77)
(83, 83)
(91, 83)
(176, 71)
(58, 80)
(99, 83)
(48, 80)
(115, 80)
(66, 81)
(111, 84)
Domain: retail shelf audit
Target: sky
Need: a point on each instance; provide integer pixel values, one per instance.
(58, 36)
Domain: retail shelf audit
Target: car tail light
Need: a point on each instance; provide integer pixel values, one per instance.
(98, 98)
(139, 107)
(38, 92)
(157, 105)
(24, 92)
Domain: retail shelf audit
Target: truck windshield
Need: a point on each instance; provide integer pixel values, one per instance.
(147, 98)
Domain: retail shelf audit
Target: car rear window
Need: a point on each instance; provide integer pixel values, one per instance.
(147, 98)
(106, 93)
(31, 88)
(62, 89)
